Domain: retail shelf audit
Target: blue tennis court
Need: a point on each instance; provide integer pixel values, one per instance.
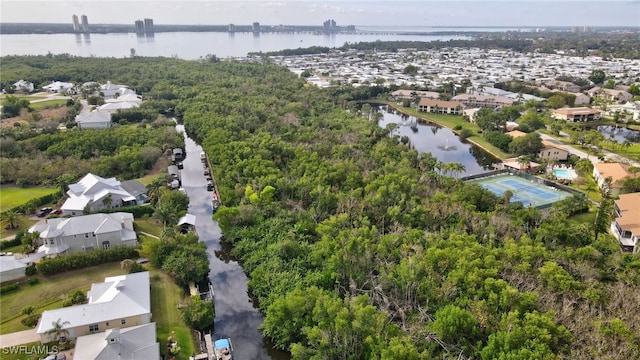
(529, 192)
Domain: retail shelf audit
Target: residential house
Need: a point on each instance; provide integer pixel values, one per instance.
(85, 233)
(137, 189)
(626, 226)
(516, 133)
(111, 91)
(551, 151)
(577, 114)
(59, 87)
(119, 302)
(96, 193)
(471, 114)
(581, 99)
(562, 85)
(94, 120)
(112, 107)
(11, 268)
(616, 95)
(440, 106)
(472, 100)
(22, 85)
(616, 171)
(132, 343)
(409, 94)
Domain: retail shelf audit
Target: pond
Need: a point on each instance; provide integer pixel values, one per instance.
(441, 142)
(620, 134)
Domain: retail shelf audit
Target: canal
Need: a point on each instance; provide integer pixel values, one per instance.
(236, 316)
(441, 142)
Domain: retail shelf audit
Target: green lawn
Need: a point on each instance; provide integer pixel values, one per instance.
(13, 196)
(47, 104)
(148, 225)
(25, 223)
(51, 290)
(165, 295)
(49, 293)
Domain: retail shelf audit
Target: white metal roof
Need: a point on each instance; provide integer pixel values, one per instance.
(133, 343)
(118, 297)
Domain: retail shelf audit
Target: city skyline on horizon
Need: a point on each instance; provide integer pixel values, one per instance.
(455, 13)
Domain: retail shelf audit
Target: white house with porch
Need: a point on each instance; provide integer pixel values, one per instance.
(94, 120)
(119, 302)
(95, 193)
(85, 233)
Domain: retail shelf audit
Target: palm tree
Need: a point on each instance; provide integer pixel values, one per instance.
(58, 330)
(507, 195)
(456, 168)
(166, 215)
(524, 161)
(10, 219)
(154, 190)
(106, 201)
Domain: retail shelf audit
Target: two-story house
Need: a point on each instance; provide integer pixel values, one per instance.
(119, 302)
(626, 225)
(85, 233)
(94, 193)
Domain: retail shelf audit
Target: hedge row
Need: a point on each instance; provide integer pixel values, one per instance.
(138, 211)
(31, 206)
(83, 260)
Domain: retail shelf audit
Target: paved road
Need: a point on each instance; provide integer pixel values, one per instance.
(594, 159)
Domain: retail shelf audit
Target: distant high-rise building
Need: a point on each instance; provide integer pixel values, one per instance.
(139, 27)
(256, 27)
(85, 24)
(76, 24)
(148, 26)
(232, 28)
(329, 26)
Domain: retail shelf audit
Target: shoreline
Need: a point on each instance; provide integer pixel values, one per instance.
(424, 119)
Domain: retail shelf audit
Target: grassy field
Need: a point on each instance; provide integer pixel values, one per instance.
(165, 295)
(47, 104)
(49, 293)
(25, 223)
(149, 225)
(13, 196)
(451, 121)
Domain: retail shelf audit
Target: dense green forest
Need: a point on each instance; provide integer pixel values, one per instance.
(357, 249)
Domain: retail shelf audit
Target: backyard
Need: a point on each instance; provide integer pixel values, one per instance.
(11, 196)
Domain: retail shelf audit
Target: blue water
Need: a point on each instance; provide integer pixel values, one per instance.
(561, 174)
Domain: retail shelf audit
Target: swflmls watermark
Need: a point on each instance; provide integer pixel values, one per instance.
(29, 350)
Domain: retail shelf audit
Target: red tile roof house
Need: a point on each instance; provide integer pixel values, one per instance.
(616, 171)
(626, 226)
(440, 106)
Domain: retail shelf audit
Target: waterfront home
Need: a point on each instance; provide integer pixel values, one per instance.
(119, 302)
(136, 342)
(94, 193)
(576, 114)
(440, 106)
(626, 225)
(471, 100)
(85, 233)
(111, 91)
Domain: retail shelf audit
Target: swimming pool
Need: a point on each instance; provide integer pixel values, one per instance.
(567, 174)
(561, 173)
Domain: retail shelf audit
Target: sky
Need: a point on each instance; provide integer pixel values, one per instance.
(512, 13)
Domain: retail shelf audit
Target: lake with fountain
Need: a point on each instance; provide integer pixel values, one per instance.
(441, 142)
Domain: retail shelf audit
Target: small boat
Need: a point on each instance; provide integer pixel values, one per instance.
(223, 349)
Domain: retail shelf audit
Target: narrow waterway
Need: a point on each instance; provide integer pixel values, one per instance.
(236, 317)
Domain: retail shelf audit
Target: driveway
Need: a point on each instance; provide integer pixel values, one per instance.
(19, 338)
(594, 159)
